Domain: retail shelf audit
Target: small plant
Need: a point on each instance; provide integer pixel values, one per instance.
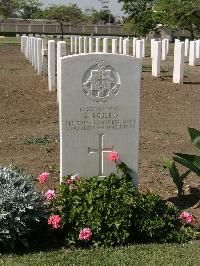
(192, 162)
(111, 211)
(21, 208)
(178, 178)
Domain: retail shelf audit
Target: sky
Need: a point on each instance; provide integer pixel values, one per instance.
(114, 7)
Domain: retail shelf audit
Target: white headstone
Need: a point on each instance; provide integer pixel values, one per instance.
(105, 45)
(126, 46)
(98, 45)
(85, 44)
(80, 45)
(114, 46)
(156, 58)
(33, 51)
(72, 45)
(75, 45)
(139, 47)
(51, 65)
(90, 45)
(99, 117)
(134, 46)
(192, 53)
(178, 73)
(143, 47)
(197, 49)
(39, 56)
(187, 47)
(152, 47)
(164, 49)
(36, 54)
(61, 51)
(120, 45)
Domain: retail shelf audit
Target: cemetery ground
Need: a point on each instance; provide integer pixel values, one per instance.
(29, 138)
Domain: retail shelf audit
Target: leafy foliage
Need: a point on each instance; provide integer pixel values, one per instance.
(21, 208)
(177, 14)
(20, 8)
(115, 211)
(192, 162)
(178, 178)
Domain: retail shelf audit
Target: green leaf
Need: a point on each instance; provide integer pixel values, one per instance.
(170, 164)
(195, 137)
(192, 162)
(184, 175)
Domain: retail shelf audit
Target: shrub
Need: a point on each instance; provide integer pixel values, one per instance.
(21, 208)
(111, 212)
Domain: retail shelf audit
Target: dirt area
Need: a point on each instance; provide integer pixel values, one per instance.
(29, 134)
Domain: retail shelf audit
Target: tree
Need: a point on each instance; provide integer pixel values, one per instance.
(102, 15)
(8, 8)
(29, 9)
(19, 8)
(179, 14)
(141, 15)
(64, 15)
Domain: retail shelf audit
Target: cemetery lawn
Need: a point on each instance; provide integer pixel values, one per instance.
(187, 254)
(9, 41)
(29, 132)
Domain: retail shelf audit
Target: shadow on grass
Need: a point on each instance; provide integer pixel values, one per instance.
(186, 201)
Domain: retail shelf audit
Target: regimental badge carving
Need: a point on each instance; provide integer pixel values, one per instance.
(101, 82)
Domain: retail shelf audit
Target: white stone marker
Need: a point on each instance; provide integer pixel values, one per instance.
(139, 47)
(167, 40)
(192, 53)
(85, 45)
(120, 45)
(72, 45)
(44, 48)
(164, 49)
(143, 47)
(134, 46)
(36, 56)
(80, 45)
(178, 72)
(187, 47)
(105, 45)
(51, 65)
(197, 49)
(75, 45)
(98, 45)
(156, 59)
(152, 47)
(90, 45)
(39, 56)
(33, 51)
(99, 113)
(114, 46)
(126, 46)
(61, 51)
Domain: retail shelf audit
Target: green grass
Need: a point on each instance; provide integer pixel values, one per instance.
(187, 254)
(10, 41)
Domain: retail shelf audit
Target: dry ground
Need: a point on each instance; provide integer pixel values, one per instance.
(29, 134)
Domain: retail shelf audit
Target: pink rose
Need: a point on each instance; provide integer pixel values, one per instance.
(50, 194)
(85, 234)
(69, 181)
(55, 221)
(42, 178)
(113, 156)
(186, 217)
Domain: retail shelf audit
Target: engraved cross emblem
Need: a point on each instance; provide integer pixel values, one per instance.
(101, 82)
(101, 150)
